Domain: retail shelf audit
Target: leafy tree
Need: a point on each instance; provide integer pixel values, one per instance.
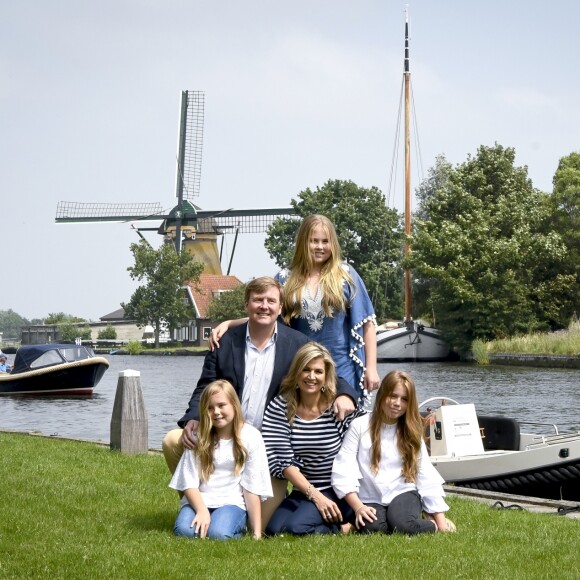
(107, 333)
(58, 317)
(369, 232)
(69, 331)
(437, 178)
(481, 249)
(160, 300)
(11, 324)
(228, 305)
(565, 209)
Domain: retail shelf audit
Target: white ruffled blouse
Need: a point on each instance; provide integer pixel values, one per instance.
(351, 471)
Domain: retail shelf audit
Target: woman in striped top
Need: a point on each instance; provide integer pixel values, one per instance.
(302, 436)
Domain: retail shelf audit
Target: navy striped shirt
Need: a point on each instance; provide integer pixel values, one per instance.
(311, 446)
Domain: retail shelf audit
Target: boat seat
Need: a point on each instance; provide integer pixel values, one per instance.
(499, 432)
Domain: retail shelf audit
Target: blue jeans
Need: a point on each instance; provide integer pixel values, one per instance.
(228, 521)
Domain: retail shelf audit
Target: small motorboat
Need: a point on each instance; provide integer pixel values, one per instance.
(53, 369)
(493, 453)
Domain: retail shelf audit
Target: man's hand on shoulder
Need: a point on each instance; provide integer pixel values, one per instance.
(189, 435)
(343, 406)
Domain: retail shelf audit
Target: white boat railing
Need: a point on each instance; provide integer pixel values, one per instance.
(537, 424)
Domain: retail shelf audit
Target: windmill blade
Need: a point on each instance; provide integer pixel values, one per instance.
(245, 221)
(190, 145)
(76, 212)
(208, 221)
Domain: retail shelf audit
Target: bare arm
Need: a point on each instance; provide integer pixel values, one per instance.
(221, 329)
(363, 513)
(371, 373)
(254, 509)
(202, 517)
(329, 511)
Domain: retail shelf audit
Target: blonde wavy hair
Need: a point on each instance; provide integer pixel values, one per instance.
(409, 425)
(207, 438)
(289, 388)
(332, 275)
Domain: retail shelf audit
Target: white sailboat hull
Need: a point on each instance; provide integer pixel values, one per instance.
(413, 342)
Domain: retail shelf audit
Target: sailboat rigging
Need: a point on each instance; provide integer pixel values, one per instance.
(409, 340)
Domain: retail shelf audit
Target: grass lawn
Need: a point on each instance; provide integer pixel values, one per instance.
(78, 510)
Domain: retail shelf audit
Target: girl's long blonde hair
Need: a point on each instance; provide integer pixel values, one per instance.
(409, 426)
(207, 438)
(289, 388)
(332, 275)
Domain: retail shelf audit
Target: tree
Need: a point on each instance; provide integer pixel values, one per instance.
(107, 333)
(228, 305)
(481, 249)
(161, 300)
(11, 324)
(565, 209)
(369, 233)
(69, 331)
(58, 317)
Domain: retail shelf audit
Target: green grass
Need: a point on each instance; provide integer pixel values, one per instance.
(78, 510)
(566, 343)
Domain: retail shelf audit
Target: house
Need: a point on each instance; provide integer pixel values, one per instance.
(200, 294)
(195, 333)
(44, 333)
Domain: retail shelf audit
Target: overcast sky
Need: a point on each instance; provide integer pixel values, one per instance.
(296, 93)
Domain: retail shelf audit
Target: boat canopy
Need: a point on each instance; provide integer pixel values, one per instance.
(36, 356)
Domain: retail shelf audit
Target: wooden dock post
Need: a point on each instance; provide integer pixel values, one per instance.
(129, 423)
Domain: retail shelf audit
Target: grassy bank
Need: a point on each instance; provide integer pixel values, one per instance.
(563, 343)
(78, 510)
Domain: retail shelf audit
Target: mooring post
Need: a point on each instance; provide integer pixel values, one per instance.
(129, 424)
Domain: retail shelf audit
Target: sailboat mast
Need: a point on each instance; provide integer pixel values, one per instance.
(407, 81)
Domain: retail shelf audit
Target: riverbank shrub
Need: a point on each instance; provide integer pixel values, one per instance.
(479, 351)
(562, 343)
(134, 347)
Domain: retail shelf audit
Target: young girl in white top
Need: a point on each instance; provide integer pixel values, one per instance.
(225, 476)
(383, 469)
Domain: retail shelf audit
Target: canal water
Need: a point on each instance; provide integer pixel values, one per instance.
(527, 394)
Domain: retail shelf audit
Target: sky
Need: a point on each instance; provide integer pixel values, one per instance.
(296, 93)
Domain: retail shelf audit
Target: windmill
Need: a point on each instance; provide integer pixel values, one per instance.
(189, 227)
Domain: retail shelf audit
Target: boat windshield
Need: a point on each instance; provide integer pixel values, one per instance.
(75, 353)
(50, 357)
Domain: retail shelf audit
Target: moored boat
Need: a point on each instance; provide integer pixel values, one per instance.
(493, 453)
(53, 369)
(409, 340)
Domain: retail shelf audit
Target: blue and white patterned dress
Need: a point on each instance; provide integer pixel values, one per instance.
(341, 333)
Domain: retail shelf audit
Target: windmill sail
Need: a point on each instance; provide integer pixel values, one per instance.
(190, 145)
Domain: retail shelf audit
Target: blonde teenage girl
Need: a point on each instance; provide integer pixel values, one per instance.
(224, 477)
